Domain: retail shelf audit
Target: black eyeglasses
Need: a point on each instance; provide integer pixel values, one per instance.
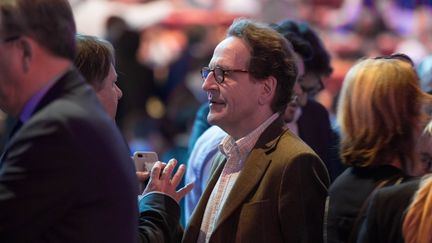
(400, 56)
(218, 73)
(9, 39)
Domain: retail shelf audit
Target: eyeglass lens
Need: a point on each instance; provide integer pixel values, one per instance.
(217, 72)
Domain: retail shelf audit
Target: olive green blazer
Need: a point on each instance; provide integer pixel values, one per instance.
(278, 197)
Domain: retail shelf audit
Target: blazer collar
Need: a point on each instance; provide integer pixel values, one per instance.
(65, 84)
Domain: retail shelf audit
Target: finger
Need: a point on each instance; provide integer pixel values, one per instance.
(146, 165)
(156, 170)
(166, 174)
(154, 183)
(178, 175)
(143, 175)
(184, 190)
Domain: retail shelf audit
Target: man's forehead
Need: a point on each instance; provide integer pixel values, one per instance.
(232, 43)
(231, 49)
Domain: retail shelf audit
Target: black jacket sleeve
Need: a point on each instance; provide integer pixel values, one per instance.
(159, 219)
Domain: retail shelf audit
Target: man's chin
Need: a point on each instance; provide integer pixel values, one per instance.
(213, 119)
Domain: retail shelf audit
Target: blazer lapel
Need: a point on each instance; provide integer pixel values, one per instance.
(255, 166)
(254, 169)
(257, 163)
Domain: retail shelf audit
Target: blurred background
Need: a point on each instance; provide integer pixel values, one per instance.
(162, 44)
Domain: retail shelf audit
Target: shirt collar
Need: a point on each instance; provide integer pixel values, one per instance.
(244, 145)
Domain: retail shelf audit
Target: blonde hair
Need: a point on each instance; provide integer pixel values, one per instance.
(94, 59)
(379, 110)
(417, 225)
(427, 131)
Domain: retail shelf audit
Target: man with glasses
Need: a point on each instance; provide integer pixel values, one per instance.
(312, 121)
(266, 185)
(206, 146)
(65, 174)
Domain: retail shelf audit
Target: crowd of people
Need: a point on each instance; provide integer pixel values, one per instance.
(264, 163)
(159, 58)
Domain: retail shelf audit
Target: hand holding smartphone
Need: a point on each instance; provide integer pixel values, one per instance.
(144, 161)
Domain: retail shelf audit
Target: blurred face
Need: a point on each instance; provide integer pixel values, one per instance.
(234, 103)
(110, 93)
(311, 84)
(294, 105)
(298, 94)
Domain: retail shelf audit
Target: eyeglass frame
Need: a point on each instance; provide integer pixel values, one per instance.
(223, 73)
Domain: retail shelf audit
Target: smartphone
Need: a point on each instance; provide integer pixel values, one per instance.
(144, 160)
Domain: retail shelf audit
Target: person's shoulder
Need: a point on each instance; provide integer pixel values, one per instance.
(345, 183)
(212, 132)
(295, 156)
(71, 97)
(313, 106)
(205, 148)
(80, 121)
(291, 143)
(291, 149)
(63, 111)
(388, 204)
(75, 100)
(402, 191)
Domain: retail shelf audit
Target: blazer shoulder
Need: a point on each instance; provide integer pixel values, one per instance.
(292, 153)
(291, 144)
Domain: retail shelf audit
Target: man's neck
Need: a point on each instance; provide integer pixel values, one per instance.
(41, 75)
(240, 133)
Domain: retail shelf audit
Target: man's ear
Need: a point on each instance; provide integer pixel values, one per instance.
(27, 53)
(268, 89)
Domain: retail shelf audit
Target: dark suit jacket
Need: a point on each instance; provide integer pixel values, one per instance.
(159, 219)
(315, 129)
(279, 195)
(347, 195)
(66, 175)
(386, 213)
